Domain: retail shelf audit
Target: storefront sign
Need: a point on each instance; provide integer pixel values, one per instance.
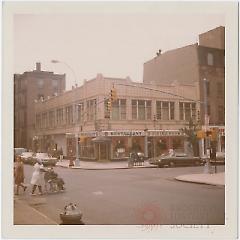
(123, 133)
(153, 133)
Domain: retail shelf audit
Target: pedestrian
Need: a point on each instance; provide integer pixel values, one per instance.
(37, 177)
(19, 174)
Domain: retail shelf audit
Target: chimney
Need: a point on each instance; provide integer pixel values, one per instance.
(38, 66)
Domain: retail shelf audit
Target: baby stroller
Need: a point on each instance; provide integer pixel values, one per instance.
(53, 183)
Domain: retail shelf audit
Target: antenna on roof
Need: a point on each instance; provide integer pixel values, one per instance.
(159, 52)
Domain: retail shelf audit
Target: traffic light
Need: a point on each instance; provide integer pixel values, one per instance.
(198, 116)
(113, 95)
(109, 106)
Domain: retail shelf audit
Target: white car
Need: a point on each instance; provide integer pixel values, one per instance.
(27, 157)
(45, 158)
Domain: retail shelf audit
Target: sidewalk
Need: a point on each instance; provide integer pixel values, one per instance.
(87, 165)
(205, 178)
(27, 215)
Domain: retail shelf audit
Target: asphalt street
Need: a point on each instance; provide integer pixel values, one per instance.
(133, 196)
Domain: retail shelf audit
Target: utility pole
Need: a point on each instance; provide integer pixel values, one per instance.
(206, 117)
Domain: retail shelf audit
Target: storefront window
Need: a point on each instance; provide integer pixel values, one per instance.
(86, 149)
(177, 143)
(119, 149)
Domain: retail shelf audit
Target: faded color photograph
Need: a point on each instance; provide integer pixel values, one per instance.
(119, 116)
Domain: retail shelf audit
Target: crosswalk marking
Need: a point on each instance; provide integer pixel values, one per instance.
(98, 193)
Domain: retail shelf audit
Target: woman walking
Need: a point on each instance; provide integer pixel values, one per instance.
(37, 177)
(19, 174)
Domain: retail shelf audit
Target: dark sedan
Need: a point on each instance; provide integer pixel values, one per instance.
(176, 159)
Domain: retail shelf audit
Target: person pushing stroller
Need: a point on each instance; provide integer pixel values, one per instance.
(55, 183)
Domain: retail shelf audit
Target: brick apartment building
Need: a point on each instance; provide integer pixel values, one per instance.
(193, 63)
(145, 117)
(29, 87)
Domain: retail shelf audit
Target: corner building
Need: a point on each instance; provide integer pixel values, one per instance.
(145, 118)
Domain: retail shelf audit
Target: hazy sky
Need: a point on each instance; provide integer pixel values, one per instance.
(115, 44)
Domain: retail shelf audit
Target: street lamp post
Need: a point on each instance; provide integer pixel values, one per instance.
(77, 160)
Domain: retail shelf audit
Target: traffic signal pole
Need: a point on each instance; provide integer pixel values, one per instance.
(206, 118)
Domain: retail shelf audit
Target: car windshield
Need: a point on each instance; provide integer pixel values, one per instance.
(181, 155)
(41, 155)
(27, 154)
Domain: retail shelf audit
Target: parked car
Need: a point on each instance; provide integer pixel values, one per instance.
(176, 159)
(27, 157)
(46, 159)
(19, 151)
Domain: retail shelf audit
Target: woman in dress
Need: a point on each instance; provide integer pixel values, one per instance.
(19, 174)
(37, 177)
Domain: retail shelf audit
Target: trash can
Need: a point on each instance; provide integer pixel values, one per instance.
(207, 167)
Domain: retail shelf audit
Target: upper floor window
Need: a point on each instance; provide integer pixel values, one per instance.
(220, 89)
(40, 83)
(210, 59)
(69, 114)
(165, 110)
(51, 118)
(141, 109)
(91, 109)
(79, 112)
(119, 109)
(60, 117)
(38, 120)
(221, 114)
(44, 120)
(187, 111)
(54, 83)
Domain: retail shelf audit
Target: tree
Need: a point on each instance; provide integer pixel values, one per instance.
(191, 133)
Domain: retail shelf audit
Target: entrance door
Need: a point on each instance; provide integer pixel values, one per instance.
(102, 151)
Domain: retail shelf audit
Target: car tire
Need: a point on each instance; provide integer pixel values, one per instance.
(171, 164)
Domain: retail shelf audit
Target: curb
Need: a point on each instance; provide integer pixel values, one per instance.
(113, 168)
(199, 182)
